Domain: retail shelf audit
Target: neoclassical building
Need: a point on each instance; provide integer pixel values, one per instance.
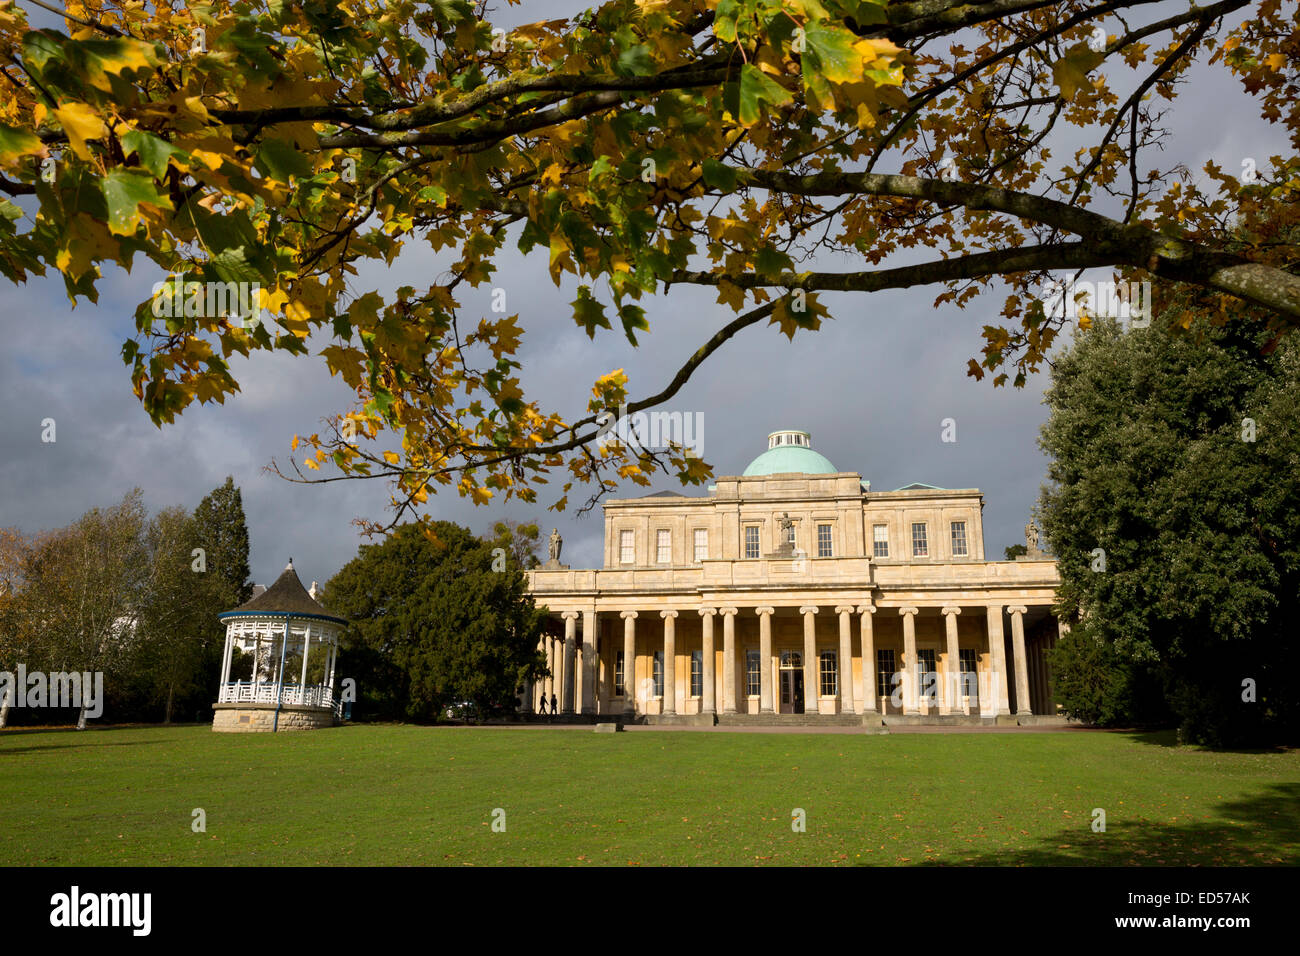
(795, 589)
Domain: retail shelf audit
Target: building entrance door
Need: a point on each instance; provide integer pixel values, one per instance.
(791, 682)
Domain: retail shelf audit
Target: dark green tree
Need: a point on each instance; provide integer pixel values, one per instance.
(1014, 551)
(432, 624)
(222, 533)
(1174, 511)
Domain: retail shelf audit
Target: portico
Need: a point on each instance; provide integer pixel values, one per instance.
(840, 602)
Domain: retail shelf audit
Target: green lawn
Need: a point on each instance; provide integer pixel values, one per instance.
(416, 795)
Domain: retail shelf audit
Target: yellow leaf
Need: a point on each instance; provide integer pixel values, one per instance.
(81, 123)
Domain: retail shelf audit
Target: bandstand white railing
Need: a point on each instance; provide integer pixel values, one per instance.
(263, 693)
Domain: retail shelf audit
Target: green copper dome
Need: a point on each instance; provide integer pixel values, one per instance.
(790, 451)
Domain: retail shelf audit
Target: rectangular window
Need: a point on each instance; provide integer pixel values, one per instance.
(701, 544)
(751, 541)
(697, 673)
(659, 673)
(619, 679)
(830, 685)
(885, 671)
(927, 677)
(823, 541)
(959, 539)
(626, 554)
(664, 547)
(753, 673)
(920, 546)
(880, 541)
(969, 679)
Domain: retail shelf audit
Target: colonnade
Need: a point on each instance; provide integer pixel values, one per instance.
(855, 627)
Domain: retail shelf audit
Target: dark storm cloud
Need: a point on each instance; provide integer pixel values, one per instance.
(873, 387)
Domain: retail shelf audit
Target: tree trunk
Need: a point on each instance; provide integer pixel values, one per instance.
(81, 718)
(167, 713)
(4, 710)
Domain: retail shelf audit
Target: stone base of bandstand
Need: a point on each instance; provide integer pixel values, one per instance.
(248, 718)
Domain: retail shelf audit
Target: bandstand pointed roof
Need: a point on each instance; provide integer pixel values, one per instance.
(286, 597)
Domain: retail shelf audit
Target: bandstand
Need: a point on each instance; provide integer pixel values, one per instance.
(288, 644)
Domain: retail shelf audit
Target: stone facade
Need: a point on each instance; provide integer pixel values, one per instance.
(718, 614)
(260, 718)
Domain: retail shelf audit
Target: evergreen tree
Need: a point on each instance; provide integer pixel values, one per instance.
(432, 624)
(1175, 516)
(222, 533)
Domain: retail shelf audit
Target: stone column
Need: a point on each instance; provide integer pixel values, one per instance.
(951, 700)
(846, 659)
(670, 661)
(708, 703)
(865, 621)
(909, 659)
(997, 700)
(1017, 613)
(629, 662)
(765, 659)
(549, 688)
(570, 658)
(590, 666)
(810, 687)
(729, 659)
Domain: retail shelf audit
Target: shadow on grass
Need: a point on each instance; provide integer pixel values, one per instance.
(1262, 830)
(1169, 738)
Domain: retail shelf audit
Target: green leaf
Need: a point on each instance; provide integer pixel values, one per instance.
(757, 88)
(770, 261)
(278, 160)
(830, 53)
(154, 153)
(636, 62)
(1071, 71)
(588, 312)
(17, 142)
(719, 176)
(124, 190)
(633, 318)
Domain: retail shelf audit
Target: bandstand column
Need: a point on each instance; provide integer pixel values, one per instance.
(729, 659)
(708, 704)
(629, 662)
(570, 654)
(1017, 613)
(225, 662)
(951, 702)
(306, 652)
(846, 659)
(866, 614)
(909, 659)
(590, 666)
(765, 659)
(810, 675)
(670, 661)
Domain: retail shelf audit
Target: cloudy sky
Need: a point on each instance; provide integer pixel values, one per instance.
(873, 387)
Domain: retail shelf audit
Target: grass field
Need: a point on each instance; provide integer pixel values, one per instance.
(417, 795)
